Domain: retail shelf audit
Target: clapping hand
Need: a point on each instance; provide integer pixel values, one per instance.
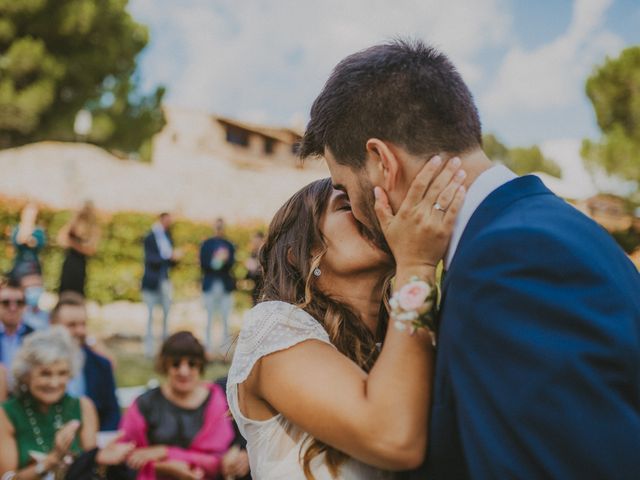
(141, 456)
(64, 437)
(235, 463)
(179, 470)
(177, 255)
(115, 452)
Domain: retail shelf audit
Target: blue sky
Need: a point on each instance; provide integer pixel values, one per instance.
(259, 60)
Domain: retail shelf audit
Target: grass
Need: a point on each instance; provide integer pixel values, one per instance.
(133, 369)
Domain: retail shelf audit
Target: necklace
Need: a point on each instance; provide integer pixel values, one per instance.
(37, 433)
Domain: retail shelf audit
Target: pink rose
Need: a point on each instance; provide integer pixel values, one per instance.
(413, 295)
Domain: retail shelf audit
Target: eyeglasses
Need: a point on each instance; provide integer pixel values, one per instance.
(12, 301)
(191, 362)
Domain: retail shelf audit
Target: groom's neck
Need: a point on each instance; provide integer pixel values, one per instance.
(474, 164)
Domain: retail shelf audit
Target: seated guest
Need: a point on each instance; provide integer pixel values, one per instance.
(4, 388)
(181, 429)
(30, 280)
(42, 429)
(12, 329)
(95, 379)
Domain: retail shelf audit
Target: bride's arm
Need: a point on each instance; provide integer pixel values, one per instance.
(380, 418)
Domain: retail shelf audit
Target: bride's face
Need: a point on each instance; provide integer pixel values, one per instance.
(349, 252)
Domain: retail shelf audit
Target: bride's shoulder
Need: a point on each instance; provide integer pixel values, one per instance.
(271, 307)
(270, 327)
(278, 311)
(281, 316)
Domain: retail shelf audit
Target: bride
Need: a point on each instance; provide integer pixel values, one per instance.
(309, 386)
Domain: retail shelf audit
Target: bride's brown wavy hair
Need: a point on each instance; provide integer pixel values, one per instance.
(294, 247)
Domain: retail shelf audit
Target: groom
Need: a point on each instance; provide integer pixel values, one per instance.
(538, 359)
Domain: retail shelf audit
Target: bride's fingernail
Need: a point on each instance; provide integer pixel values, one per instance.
(376, 192)
(456, 162)
(461, 174)
(436, 161)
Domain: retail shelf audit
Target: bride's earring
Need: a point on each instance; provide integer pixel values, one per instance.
(317, 272)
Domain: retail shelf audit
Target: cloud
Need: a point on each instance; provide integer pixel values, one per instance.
(576, 181)
(552, 76)
(239, 58)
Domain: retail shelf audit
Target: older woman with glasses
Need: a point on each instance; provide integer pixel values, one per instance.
(181, 429)
(42, 429)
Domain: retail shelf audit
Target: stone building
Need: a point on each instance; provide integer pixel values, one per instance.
(246, 145)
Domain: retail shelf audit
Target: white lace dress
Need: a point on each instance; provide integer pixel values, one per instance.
(274, 445)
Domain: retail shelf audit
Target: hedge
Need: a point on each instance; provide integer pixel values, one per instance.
(115, 272)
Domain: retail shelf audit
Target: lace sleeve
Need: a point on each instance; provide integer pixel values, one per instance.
(271, 327)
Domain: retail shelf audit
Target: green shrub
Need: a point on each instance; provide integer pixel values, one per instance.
(115, 272)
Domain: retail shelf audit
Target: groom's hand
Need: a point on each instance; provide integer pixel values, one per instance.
(419, 232)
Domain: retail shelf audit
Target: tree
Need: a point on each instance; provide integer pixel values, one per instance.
(521, 160)
(60, 56)
(614, 91)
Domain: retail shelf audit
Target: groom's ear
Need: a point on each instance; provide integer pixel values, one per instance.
(383, 164)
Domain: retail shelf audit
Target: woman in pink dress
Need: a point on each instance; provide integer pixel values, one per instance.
(181, 429)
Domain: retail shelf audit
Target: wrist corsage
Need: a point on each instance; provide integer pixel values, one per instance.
(414, 306)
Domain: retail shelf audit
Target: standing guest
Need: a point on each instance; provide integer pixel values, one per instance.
(4, 387)
(31, 282)
(217, 256)
(252, 264)
(12, 328)
(159, 257)
(42, 429)
(95, 378)
(27, 238)
(181, 429)
(80, 238)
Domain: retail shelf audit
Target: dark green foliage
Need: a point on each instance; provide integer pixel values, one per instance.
(61, 56)
(521, 160)
(614, 91)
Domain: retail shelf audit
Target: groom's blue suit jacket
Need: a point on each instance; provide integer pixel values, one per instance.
(538, 359)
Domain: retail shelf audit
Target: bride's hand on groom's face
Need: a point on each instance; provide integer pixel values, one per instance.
(419, 232)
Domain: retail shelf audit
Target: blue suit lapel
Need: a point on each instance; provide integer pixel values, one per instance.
(489, 209)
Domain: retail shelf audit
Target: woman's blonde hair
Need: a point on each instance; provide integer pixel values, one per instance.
(84, 223)
(288, 262)
(44, 348)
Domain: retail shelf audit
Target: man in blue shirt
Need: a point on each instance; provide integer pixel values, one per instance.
(159, 257)
(96, 379)
(12, 329)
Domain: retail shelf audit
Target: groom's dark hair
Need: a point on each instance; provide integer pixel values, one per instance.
(404, 92)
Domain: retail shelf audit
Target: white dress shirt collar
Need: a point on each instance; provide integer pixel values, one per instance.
(162, 240)
(480, 189)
